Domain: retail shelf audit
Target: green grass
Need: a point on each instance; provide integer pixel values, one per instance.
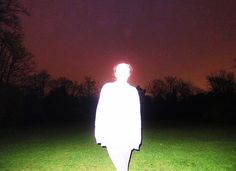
(164, 148)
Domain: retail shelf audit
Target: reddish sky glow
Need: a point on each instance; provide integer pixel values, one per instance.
(187, 38)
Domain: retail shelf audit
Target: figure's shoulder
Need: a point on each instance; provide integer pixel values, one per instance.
(133, 88)
(107, 86)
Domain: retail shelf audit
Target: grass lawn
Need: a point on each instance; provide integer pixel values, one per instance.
(165, 148)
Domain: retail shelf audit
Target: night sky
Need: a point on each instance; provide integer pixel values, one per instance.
(186, 38)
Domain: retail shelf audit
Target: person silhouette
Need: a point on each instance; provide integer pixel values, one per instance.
(118, 118)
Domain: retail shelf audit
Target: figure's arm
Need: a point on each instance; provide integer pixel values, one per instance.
(137, 121)
(99, 125)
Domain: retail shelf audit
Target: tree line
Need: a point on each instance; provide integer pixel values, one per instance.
(26, 94)
(30, 96)
(175, 98)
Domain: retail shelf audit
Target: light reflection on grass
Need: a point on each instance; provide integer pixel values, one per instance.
(164, 148)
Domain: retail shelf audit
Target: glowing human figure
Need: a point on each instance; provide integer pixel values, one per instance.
(118, 120)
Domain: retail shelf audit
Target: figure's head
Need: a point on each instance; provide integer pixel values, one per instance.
(122, 72)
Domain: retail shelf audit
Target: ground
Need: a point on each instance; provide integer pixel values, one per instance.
(166, 146)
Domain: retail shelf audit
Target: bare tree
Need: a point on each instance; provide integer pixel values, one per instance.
(71, 87)
(171, 87)
(88, 88)
(15, 61)
(9, 11)
(157, 88)
(38, 83)
(222, 82)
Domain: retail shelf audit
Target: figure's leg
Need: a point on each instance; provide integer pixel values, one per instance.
(120, 158)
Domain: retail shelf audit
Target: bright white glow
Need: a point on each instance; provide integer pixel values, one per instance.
(118, 121)
(122, 72)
